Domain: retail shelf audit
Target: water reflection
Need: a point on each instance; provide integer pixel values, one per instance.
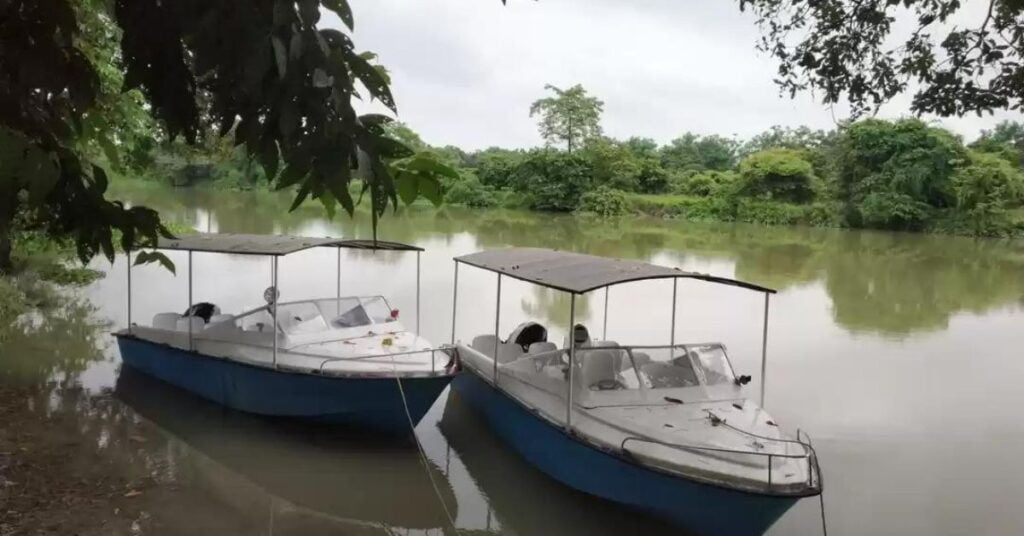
(330, 474)
(886, 283)
(51, 345)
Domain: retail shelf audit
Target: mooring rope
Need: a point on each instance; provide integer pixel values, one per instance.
(419, 448)
(821, 501)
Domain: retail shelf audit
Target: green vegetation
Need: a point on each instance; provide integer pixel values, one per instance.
(897, 175)
(571, 116)
(91, 86)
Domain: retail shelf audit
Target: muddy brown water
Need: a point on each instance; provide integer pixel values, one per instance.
(900, 354)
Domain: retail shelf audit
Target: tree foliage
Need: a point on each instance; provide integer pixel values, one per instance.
(778, 174)
(985, 189)
(263, 71)
(691, 152)
(893, 174)
(553, 180)
(571, 116)
(851, 49)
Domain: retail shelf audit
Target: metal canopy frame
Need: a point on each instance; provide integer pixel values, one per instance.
(579, 274)
(274, 246)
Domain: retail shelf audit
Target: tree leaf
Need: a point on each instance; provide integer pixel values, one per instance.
(321, 79)
(100, 178)
(373, 80)
(431, 189)
(408, 186)
(291, 176)
(302, 194)
(268, 157)
(148, 257)
(280, 56)
(110, 151)
(342, 10)
(41, 172)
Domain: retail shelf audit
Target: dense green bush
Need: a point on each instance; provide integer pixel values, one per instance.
(777, 174)
(496, 168)
(985, 190)
(705, 183)
(604, 201)
(471, 193)
(553, 180)
(895, 174)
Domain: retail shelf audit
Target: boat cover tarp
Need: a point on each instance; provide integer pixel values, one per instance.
(579, 273)
(253, 244)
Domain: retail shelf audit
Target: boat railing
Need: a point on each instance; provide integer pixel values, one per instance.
(809, 454)
(448, 351)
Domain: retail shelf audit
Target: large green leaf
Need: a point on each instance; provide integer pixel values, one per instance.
(428, 163)
(147, 257)
(431, 189)
(41, 173)
(408, 185)
(280, 55)
(373, 80)
(342, 10)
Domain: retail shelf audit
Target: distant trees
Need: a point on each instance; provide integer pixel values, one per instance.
(894, 174)
(553, 180)
(571, 116)
(691, 152)
(777, 174)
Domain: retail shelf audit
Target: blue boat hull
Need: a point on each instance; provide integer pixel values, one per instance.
(374, 403)
(699, 507)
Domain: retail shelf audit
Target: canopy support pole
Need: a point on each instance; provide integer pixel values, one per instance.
(188, 312)
(418, 301)
(339, 280)
(672, 337)
(274, 294)
(455, 298)
(572, 355)
(129, 257)
(497, 323)
(604, 332)
(764, 348)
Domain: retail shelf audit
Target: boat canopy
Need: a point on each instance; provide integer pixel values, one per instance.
(579, 273)
(277, 245)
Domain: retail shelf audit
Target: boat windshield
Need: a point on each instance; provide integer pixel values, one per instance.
(615, 368)
(318, 316)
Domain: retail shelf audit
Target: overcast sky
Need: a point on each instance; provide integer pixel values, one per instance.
(464, 72)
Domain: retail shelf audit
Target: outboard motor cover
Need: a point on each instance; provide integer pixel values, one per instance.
(528, 333)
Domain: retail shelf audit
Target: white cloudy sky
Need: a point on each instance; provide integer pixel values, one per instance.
(464, 72)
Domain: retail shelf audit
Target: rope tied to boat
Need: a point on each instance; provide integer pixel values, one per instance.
(419, 447)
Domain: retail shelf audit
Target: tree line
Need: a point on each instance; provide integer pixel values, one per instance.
(900, 174)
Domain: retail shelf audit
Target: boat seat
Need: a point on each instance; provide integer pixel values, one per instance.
(509, 351)
(484, 344)
(168, 321)
(541, 347)
(599, 370)
(216, 319)
(198, 323)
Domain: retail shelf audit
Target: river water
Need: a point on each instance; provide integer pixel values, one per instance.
(900, 354)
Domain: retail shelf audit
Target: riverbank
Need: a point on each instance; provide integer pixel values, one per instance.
(707, 209)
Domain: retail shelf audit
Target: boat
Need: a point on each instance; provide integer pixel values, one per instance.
(341, 476)
(345, 360)
(522, 500)
(668, 430)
